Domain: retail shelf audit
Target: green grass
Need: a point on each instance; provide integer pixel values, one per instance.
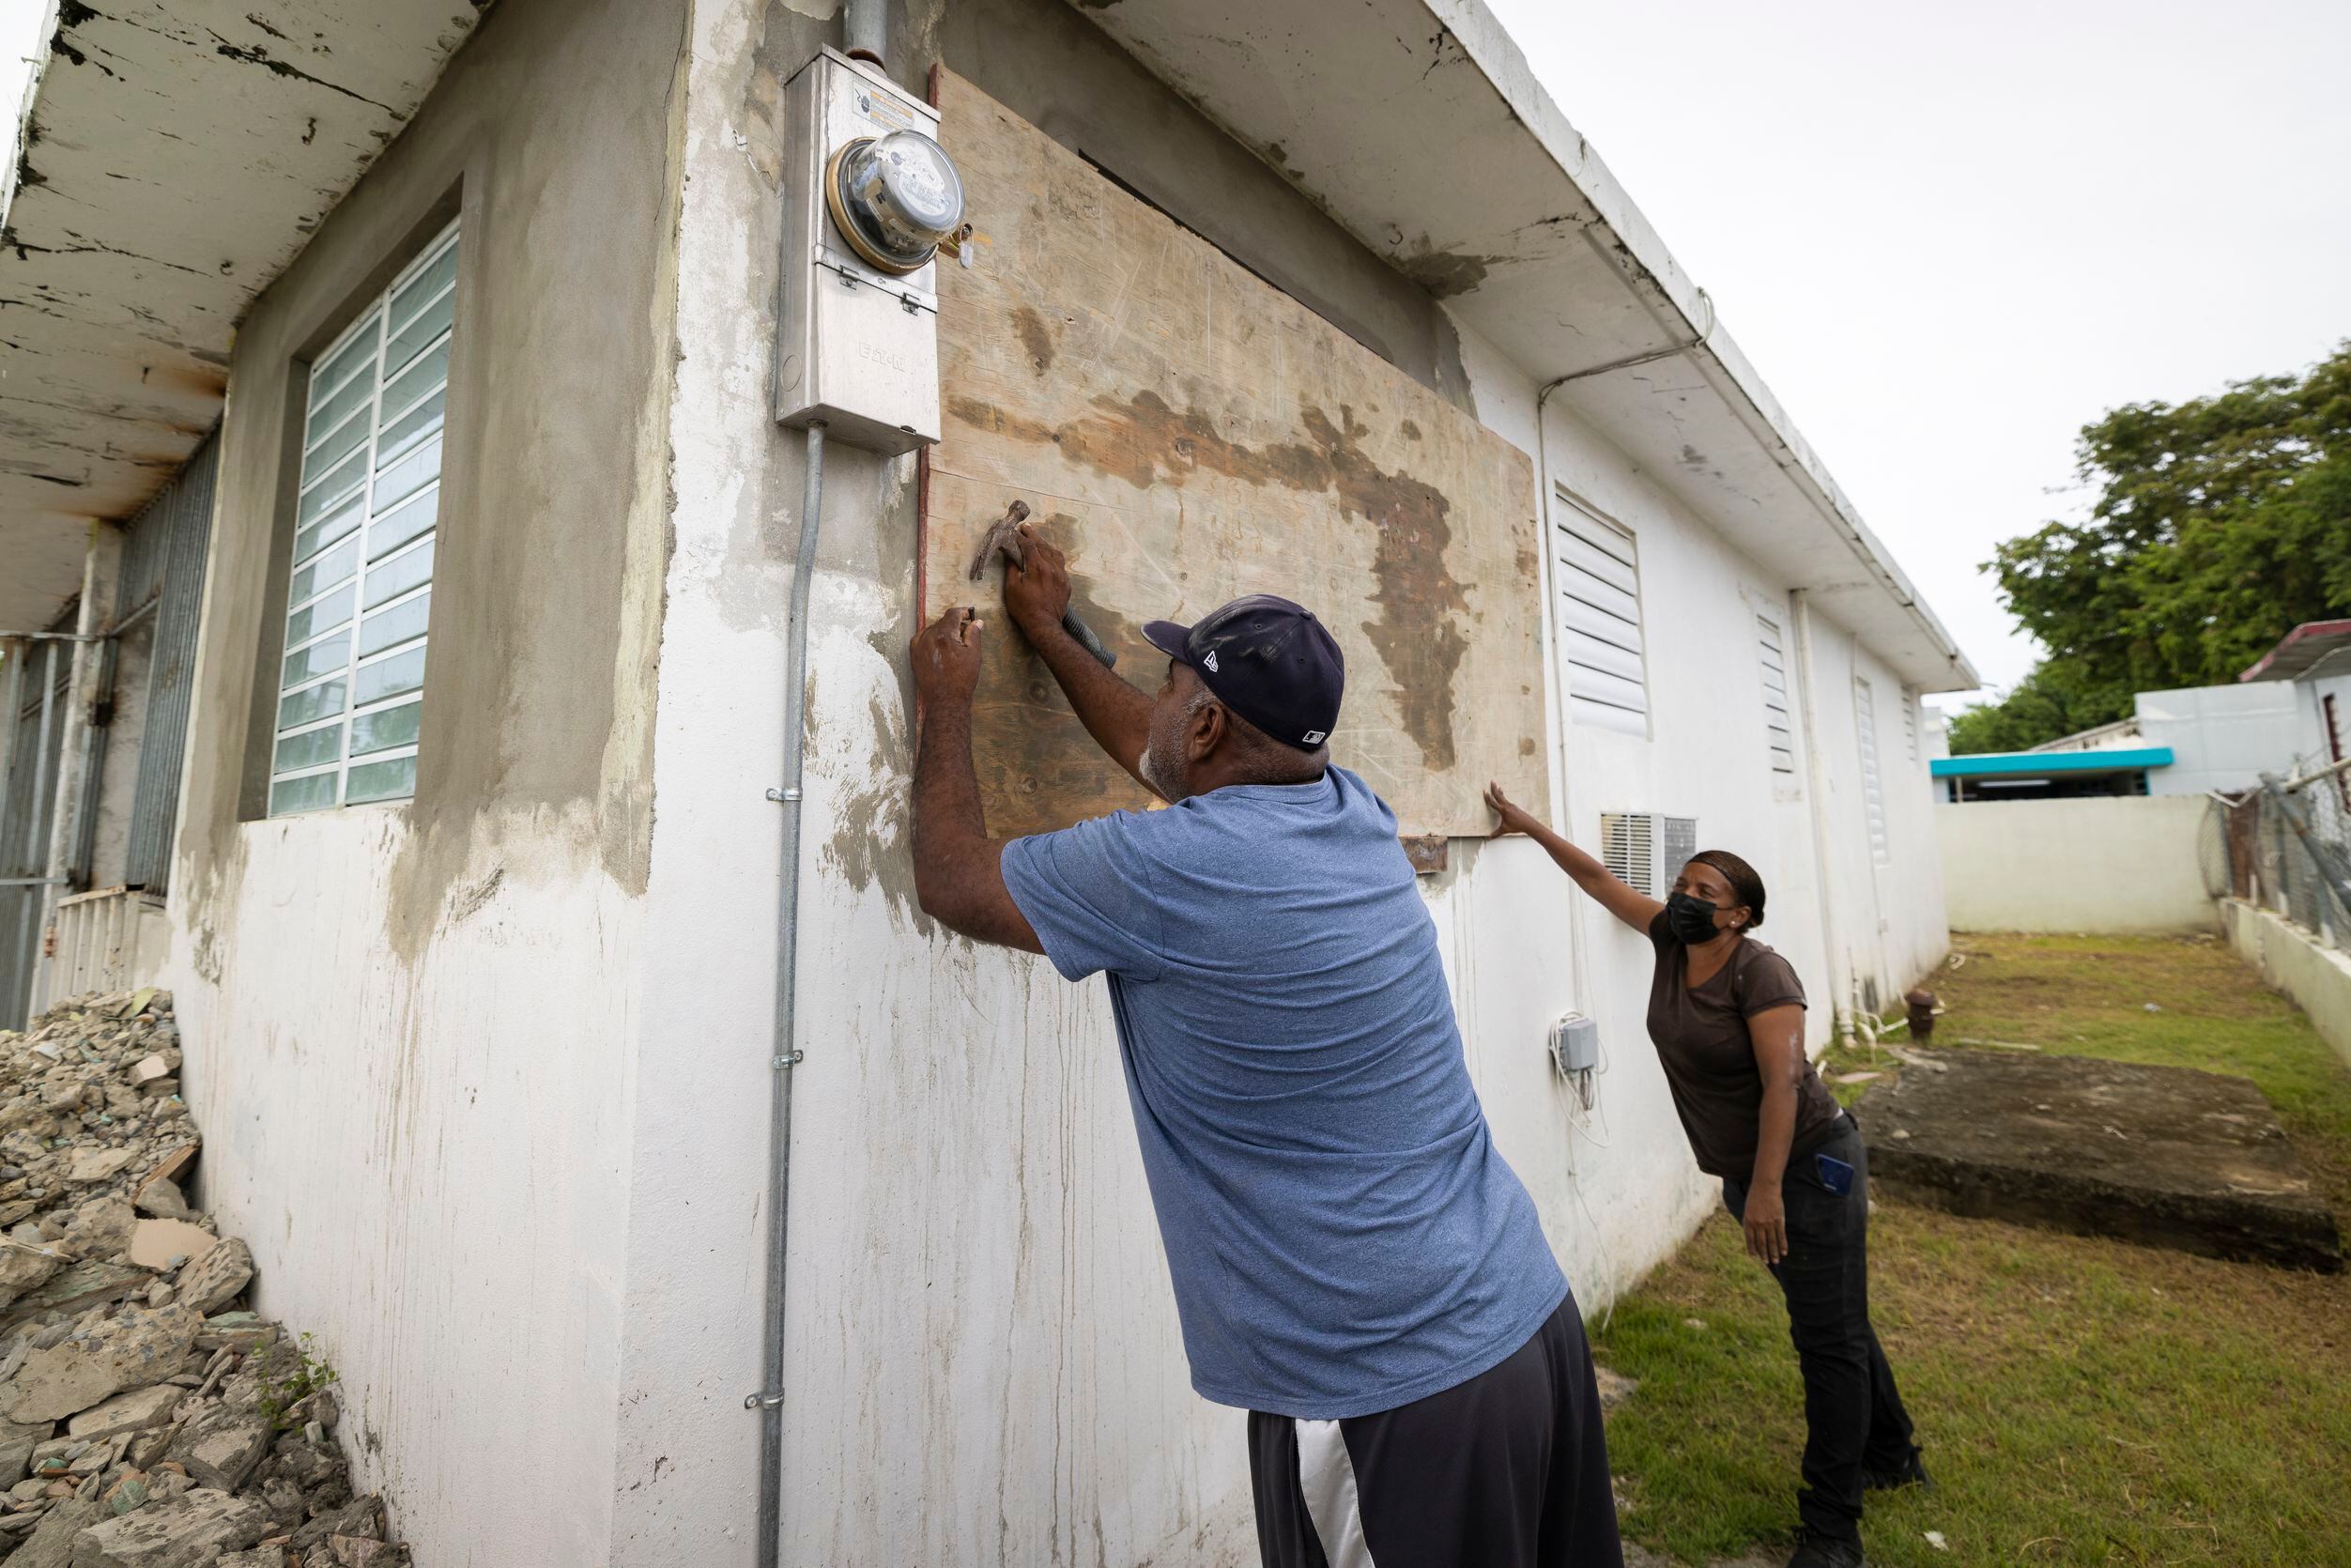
(2081, 1400)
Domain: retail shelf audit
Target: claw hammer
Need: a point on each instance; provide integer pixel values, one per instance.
(1004, 537)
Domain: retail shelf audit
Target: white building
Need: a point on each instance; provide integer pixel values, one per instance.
(2316, 658)
(2290, 710)
(481, 1028)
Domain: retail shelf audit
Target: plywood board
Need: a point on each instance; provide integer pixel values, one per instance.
(1189, 434)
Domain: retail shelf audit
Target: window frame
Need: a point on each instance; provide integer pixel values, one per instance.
(363, 600)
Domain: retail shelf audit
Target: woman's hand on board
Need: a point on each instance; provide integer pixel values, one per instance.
(1513, 817)
(1765, 1221)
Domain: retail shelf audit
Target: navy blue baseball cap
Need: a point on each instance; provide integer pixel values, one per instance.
(1268, 660)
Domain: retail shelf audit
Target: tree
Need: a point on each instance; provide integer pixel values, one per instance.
(2221, 524)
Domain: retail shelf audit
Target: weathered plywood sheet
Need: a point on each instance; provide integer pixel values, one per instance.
(1188, 433)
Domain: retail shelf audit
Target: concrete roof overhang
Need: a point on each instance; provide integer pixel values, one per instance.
(1419, 125)
(176, 158)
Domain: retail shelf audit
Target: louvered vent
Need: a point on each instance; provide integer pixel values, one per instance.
(1680, 842)
(1873, 793)
(1628, 846)
(1778, 730)
(1600, 620)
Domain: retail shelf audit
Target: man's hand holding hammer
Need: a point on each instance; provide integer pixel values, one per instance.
(957, 873)
(1036, 597)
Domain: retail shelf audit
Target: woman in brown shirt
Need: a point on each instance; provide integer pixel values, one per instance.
(1725, 1014)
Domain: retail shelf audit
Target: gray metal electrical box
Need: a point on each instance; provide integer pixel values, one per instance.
(856, 346)
(1575, 1044)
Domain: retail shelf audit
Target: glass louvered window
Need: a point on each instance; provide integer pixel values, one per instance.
(351, 688)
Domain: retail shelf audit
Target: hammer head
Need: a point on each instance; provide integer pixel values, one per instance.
(1003, 535)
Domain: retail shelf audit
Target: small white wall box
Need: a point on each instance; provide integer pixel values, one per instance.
(1575, 1044)
(869, 198)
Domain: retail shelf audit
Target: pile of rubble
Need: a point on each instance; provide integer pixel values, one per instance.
(146, 1422)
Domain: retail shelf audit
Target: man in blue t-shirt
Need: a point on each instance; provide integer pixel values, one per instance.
(1354, 1264)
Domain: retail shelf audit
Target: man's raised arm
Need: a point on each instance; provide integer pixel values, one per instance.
(1116, 715)
(958, 870)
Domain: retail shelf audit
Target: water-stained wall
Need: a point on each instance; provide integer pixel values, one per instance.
(487, 1075)
(983, 1360)
(412, 1028)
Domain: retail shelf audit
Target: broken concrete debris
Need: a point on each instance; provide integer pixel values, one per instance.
(146, 1420)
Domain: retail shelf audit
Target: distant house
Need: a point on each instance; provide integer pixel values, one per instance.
(2316, 658)
(396, 565)
(2291, 709)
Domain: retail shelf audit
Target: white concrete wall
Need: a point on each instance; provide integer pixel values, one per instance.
(427, 1159)
(512, 1153)
(2317, 976)
(2118, 863)
(2312, 744)
(2222, 737)
(412, 1029)
(984, 1364)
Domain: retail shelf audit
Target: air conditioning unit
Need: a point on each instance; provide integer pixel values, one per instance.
(1647, 849)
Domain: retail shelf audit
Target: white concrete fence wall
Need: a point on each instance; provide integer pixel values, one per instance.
(2127, 863)
(2316, 976)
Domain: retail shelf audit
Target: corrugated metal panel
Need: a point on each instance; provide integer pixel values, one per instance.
(155, 805)
(40, 682)
(146, 539)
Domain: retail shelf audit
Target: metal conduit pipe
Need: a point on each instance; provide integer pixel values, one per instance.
(783, 1054)
(1578, 939)
(865, 29)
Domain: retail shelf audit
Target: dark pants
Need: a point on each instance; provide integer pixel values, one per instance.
(1509, 1470)
(1854, 1417)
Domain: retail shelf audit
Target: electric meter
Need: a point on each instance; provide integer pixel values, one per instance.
(871, 202)
(894, 198)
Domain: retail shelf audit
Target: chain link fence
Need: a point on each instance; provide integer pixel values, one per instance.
(2287, 846)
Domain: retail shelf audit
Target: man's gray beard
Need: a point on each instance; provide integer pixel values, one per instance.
(1154, 776)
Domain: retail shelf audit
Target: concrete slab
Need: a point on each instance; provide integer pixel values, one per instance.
(2169, 1157)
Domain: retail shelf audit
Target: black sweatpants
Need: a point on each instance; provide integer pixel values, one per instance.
(1853, 1415)
(1506, 1470)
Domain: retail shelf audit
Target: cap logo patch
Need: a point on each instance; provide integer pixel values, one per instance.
(1209, 658)
(1313, 737)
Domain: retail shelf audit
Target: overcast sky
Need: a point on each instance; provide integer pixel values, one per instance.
(1950, 235)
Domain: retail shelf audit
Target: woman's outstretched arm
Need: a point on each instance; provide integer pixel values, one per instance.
(1636, 910)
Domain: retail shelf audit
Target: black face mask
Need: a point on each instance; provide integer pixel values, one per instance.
(1691, 920)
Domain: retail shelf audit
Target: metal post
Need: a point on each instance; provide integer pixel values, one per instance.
(37, 904)
(15, 651)
(75, 749)
(15, 900)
